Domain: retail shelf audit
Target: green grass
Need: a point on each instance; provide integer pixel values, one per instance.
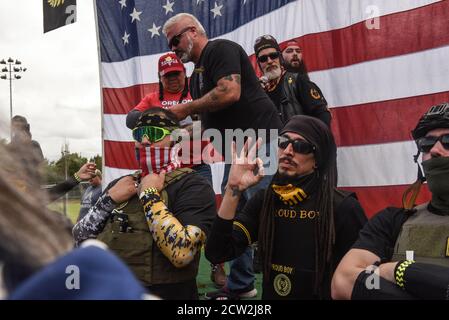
(205, 284)
(203, 279)
(73, 208)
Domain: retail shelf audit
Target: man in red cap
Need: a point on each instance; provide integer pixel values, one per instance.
(173, 89)
(293, 59)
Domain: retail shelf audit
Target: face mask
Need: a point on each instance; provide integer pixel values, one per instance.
(155, 159)
(436, 171)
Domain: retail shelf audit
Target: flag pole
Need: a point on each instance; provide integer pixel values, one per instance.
(103, 181)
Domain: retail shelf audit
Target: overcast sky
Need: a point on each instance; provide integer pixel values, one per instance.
(59, 94)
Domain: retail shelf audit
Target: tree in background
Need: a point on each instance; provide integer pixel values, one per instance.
(55, 170)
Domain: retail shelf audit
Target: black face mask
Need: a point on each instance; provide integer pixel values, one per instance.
(436, 171)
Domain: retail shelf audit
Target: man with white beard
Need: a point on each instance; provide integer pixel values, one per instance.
(292, 93)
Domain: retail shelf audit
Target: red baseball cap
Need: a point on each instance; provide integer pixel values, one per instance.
(169, 62)
(284, 45)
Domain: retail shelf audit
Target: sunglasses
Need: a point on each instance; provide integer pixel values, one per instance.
(299, 146)
(176, 39)
(272, 56)
(153, 134)
(425, 144)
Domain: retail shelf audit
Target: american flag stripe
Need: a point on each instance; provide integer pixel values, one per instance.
(381, 121)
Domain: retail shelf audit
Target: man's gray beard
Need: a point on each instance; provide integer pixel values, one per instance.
(186, 56)
(273, 73)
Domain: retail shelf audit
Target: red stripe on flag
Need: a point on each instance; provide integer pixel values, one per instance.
(382, 121)
(397, 35)
(374, 199)
(120, 155)
(121, 101)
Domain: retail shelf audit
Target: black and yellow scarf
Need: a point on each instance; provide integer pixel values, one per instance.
(293, 191)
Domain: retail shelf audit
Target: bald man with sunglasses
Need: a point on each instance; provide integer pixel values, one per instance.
(403, 253)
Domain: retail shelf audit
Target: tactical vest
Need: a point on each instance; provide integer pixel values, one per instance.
(128, 235)
(427, 234)
(290, 104)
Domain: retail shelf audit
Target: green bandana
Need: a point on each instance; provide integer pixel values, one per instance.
(436, 171)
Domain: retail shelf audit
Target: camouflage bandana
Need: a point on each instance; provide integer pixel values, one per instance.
(156, 120)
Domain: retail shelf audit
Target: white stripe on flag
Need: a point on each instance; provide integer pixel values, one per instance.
(359, 166)
(377, 165)
(110, 174)
(386, 79)
(143, 69)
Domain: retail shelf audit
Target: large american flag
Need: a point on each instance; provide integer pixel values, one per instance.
(378, 74)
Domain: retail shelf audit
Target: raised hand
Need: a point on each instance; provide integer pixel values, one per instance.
(123, 190)
(87, 171)
(246, 169)
(152, 180)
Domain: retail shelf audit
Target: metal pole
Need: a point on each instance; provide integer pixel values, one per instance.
(66, 197)
(10, 99)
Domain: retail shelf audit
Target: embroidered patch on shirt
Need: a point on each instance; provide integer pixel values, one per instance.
(315, 94)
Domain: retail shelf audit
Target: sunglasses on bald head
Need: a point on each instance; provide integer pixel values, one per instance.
(272, 56)
(299, 146)
(425, 144)
(176, 39)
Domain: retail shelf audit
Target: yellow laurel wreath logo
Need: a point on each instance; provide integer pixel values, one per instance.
(55, 3)
(282, 285)
(315, 94)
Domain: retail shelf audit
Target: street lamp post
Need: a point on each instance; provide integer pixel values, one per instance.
(11, 72)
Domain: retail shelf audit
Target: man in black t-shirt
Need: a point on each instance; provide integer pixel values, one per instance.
(224, 86)
(397, 237)
(292, 93)
(228, 96)
(302, 224)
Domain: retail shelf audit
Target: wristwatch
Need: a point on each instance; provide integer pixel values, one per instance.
(151, 190)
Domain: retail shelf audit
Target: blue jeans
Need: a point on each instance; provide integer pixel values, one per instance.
(241, 274)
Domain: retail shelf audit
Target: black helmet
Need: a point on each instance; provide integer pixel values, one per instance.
(436, 117)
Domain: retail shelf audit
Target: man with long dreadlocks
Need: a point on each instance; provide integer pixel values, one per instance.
(303, 224)
(408, 247)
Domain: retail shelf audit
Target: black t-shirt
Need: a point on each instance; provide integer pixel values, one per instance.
(192, 201)
(254, 110)
(294, 243)
(379, 235)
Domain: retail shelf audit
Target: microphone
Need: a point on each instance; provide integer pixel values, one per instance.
(263, 79)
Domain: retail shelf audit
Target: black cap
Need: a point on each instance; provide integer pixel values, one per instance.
(264, 42)
(158, 117)
(317, 133)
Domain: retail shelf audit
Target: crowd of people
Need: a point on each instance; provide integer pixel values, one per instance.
(145, 232)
